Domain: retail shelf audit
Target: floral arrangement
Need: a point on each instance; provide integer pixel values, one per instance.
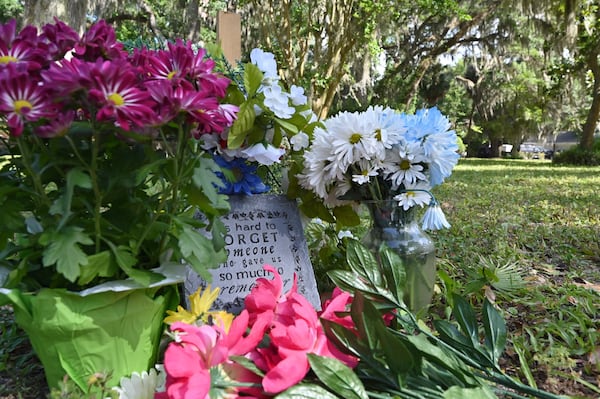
(103, 168)
(363, 344)
(381, 154)
(272, 122)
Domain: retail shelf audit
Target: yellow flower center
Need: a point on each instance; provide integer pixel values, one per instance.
(6, 59)
(20, 104)
(378, 135)
(116, 99)
(355, 138)
(171, 74)
(404, 164)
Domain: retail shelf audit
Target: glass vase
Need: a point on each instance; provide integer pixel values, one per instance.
(400, 231)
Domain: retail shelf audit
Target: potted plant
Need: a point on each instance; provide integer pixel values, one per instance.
(102, 180)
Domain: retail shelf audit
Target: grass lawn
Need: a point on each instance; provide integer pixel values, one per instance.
(526, 235)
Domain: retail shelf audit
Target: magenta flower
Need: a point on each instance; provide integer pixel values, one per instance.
(202, 72)
(114, 88)
(100, 41)
(173, 64)
(59, 38)
(22, 100)
(21, 48)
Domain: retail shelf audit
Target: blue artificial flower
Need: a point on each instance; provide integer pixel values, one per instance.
(242, 178)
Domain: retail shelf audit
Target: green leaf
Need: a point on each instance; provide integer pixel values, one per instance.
(127, 261)
(495, 330)
(465, 316)
(346, 216)
(362, 261)
(99, 264)
(450, 335)
(65, 252)
(338, 377)
(306, 391)
(253, 78)
(205, 178)
(241, 126)
(456, 392)
(247, 364)
(287, 126)
(394, 272)
(198, 250)
(62, 205)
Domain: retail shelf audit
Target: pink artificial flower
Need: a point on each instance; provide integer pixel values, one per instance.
(115, 89)
(337, 309)
(22, 100)
(197, 349)
(295, 331)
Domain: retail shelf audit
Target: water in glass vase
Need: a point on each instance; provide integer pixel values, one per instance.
(399, 230)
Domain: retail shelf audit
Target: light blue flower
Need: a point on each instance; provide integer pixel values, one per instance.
(434, 218)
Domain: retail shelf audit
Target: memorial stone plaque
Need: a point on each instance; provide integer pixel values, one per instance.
(261, 230)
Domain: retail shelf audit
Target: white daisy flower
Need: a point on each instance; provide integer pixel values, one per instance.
(138, 386)
(350, 140)
(402, 165)
(417, 194)
(364, 170)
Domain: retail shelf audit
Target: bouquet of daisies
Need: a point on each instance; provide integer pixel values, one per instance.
(382, 154)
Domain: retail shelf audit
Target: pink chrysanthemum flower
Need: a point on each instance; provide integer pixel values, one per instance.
(202, 73)
(59, 38)
(66, 77)
(100, 41)
(20, 48)
(22, 99)
(116, 92)
(173, 64)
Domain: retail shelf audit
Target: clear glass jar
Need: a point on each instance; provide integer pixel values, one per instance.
(401, 232)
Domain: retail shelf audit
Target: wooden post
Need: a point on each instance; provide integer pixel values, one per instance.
(229, 35)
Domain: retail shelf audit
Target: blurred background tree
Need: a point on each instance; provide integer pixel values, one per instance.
(505, 71)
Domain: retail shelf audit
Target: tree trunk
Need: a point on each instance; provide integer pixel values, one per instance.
(587, 137)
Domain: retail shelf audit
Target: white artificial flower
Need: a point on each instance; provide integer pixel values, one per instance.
(402, 165)
(263, 154)
(345, 234)
(417, 194)
(277, 101)
(310, 115)
(266, 63)
(434, 218)
(364, 170)
(299, 141)
(297, 95)
(138, 386)
(350, 140)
